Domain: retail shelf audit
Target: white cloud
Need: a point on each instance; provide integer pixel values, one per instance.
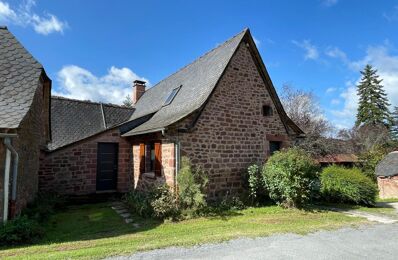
(311, 51)
(336, 53)
(79, 83)
(6, 13)
(335, 101)
(24, 16)
(256, 41)
(392, 15)
(330, 90)
(329, 3)
(386, 64)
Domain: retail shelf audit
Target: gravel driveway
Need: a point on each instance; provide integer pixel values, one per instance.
(368, 242)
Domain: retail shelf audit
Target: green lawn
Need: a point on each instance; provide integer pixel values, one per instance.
(96, 231)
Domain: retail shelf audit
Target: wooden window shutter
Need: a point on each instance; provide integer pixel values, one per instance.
(142, 158)
(158, 159)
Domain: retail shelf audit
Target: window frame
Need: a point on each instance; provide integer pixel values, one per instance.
(146, 164)
(171, 96)
(267, 110)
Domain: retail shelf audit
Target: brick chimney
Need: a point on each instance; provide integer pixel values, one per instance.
(138, 90)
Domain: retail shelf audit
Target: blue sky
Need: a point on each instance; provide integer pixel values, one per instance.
(95, 49)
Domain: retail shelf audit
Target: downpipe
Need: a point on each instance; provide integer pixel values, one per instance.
(10, 150)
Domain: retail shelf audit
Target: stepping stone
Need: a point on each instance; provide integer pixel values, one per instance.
(128, 220)
(125, 215)
(121, 211)
(117, 208)
(135, 225)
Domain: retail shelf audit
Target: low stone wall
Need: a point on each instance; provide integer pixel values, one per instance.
(72, 170)
(388, 187)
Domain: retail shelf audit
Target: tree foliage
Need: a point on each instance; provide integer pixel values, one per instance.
(373, 101)
(127, 102)
(394, 127)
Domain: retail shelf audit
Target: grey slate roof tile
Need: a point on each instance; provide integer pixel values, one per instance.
(19, 79)
(74, 120)
(197, 80)
(388, 166)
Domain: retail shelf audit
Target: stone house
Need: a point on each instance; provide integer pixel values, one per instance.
(25, 93)
(221, 111)
(387, 176)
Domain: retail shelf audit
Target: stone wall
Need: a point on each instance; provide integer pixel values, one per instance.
(148, 179)
(231, 133)
(388, 187)
(32, 136)
(72, 170)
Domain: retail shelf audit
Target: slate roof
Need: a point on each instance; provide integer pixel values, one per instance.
(197, 81)
(19, 78)
(74, 120)
(388, 166)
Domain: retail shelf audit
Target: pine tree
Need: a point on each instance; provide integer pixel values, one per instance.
(373, 101)
(394, 128)
(127, 101)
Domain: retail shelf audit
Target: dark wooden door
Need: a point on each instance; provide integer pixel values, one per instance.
(107, 166)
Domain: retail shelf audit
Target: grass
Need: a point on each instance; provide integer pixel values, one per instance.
(96, 231)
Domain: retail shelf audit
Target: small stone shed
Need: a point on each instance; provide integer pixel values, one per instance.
(387, 176)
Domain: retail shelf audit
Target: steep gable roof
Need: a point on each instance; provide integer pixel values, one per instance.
(388, 166)
(196, 81)
(20, 75)
(74, 120)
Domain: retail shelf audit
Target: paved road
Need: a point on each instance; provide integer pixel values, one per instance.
(368, 242)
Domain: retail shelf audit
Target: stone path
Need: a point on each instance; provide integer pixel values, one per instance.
(376, 217)
(122, 210)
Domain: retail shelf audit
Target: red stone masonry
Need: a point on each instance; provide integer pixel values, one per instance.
(72, 170)
(231, 133)
(388, 187)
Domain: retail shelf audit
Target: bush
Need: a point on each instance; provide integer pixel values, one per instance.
(164, 203)
(20, 230)
(255, 183)
(343, 185)
(191, 187)
(158, 202)
(140, 203)
(288, 176)
(370, 159)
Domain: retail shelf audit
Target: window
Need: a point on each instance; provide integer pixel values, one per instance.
(150, 158)
(274, 147)
(267, 110)
(171, 96)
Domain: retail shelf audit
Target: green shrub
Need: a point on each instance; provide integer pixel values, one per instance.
(139, 202)
(164, 203)
(255, 183)
(368, 161)
(191, 187)
(20, 230)
(288, 176)
(343, 185)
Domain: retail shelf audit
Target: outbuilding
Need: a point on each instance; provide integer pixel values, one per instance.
(387, 176)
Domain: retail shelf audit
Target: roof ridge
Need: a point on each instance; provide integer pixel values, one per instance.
(200, 57)
(90, 102)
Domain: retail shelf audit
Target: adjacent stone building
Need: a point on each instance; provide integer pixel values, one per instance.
(24, 123)
(387, 176)
(221, 111)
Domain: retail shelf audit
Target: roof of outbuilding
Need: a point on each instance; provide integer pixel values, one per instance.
(388, 166)
(196, 81)
(74, 120)
(19, 78)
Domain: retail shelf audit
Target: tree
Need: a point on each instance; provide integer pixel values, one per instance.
(127, 101)
(394, 127)
(305, 111)
(373, 101)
